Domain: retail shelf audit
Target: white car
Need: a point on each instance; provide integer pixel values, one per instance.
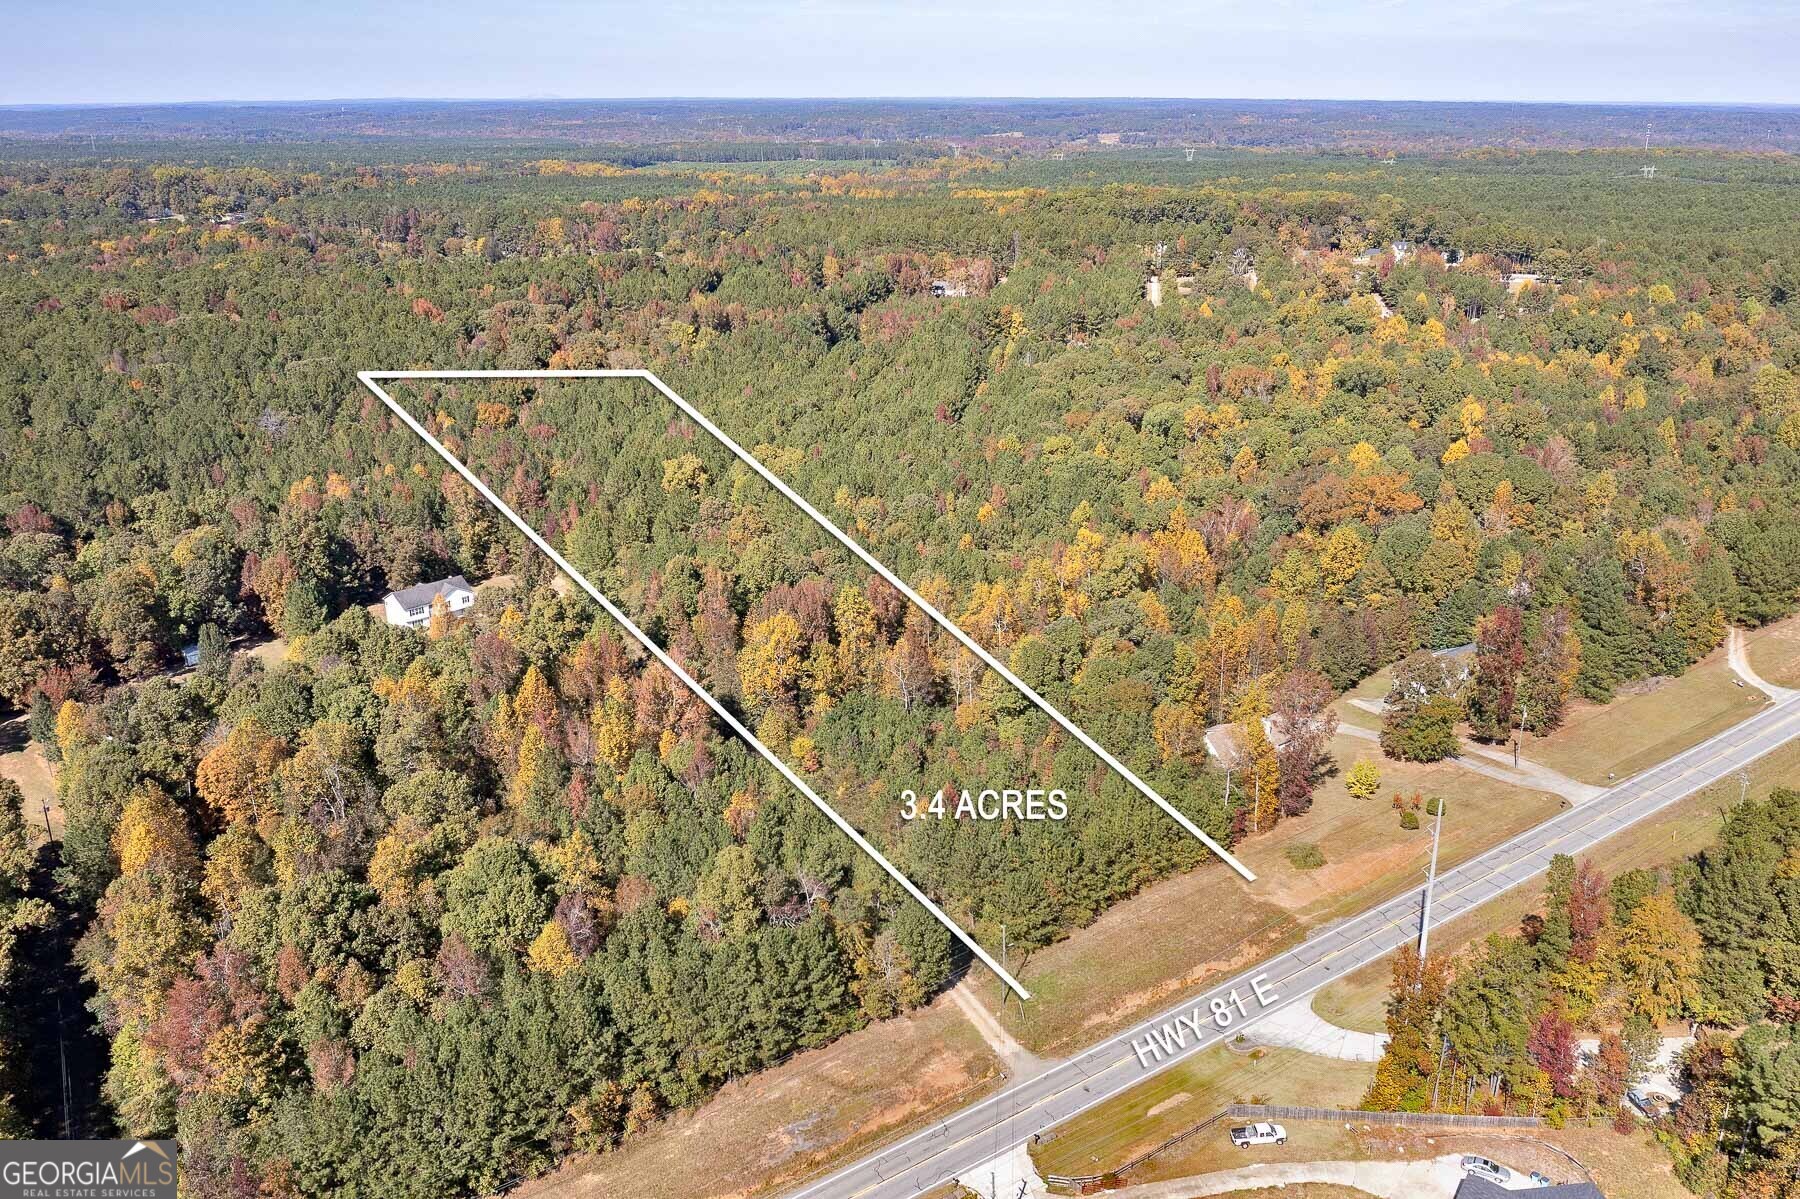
(1481, 1167)
(1258, 1134)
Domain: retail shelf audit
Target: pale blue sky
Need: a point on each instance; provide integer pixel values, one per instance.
(68, 51)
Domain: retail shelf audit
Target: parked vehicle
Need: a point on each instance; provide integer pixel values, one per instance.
(1540, 1180)
(1258, 1134)
(1481, 1167)
(1651, 1107)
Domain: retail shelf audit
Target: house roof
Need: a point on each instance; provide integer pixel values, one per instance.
(1226, 741)
(421, 594)
(1481, 1188)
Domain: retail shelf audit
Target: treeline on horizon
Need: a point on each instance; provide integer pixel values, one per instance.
(430, 910)
(1363, 125)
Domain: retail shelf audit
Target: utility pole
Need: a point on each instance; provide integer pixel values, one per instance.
(1003, 966)
(1437, 833)
(1524, 715)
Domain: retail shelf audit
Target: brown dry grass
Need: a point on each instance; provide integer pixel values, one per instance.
(1150, 950)
(36, 778)
(1179, 1097)
(770, 1131)
(1648, 722)
(1774, 652)
(1679, 831)
(1631, 1165)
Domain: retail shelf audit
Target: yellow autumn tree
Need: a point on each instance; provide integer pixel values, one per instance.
(1363, 458)
(574, 862)
(612, 725)
(397, 862)
(550, 951)
(235, 775)
(152, 831)
(770, 660)
(1340, 559)
(685, 474)
(1180, 732)
(1179, 554)
(441, 620)
(853, 619)
(1659, 959)
(535, 701)
(1260, 779)
(236, 860)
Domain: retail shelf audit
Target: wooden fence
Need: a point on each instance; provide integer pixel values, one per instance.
(1263, 1111)
(1087, 1183)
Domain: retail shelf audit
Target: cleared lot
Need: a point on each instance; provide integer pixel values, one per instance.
(1632, 1165)
(766, 1132)
(1178, 1098)
(1649, 721)
(1173, 937)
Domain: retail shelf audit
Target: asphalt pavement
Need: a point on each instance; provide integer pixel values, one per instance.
(985, 1130)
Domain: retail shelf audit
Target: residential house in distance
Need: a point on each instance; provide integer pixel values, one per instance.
(1226, 744)
(410, 607)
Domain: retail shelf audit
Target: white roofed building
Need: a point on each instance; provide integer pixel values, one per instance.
(410, 607)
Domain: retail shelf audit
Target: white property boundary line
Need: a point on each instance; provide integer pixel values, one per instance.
(369, 378)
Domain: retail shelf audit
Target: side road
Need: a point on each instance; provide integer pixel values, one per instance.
(978, 1134)
(1497, 764)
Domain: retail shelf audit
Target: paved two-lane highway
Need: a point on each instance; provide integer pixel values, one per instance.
(983, 1131)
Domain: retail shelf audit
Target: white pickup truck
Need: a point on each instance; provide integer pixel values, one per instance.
(1258, 1134)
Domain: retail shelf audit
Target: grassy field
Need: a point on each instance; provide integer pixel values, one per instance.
(1631, 1165)
(1774, 652)
(767, 1133)
(1647, 723)
(1679, 831)
(1372, 689)
(1180, 1097)
(1084, 987)
(1300, 1190)
(770, 1131)
(23, 763)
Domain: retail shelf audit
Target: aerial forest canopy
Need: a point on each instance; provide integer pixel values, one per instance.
(399, 912)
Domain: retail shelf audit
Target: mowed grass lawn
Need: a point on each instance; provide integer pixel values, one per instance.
(1774, 652)
(1147, 952)
(769, 1132)
(1373, 689)
(1180, 1097)
(1632, 1165)
(24, 763)
(1357, 1000)
(1646, 723)
(1292, 1190)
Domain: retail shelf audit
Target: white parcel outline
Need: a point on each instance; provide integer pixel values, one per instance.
(368, 379)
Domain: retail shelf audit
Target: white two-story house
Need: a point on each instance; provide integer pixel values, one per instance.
(410, 607)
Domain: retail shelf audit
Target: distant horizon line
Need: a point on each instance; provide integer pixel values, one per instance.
(51, 105)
